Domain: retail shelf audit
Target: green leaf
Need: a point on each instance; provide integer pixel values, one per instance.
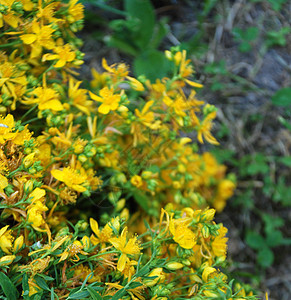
(282, 97)
(144, 11)
(79, 295)
(94, 294)
(119, 294)
(274, 238)
(41, 283)
(285, 160)
(255, 240)
(265, 257)
(8, 287)
(141, 199)
(153, 64)
(25, 286)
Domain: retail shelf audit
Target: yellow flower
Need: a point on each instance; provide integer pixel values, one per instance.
(136, 181)
(64, 54)
(109, 100)
(9, 17)
(206, 273)
(76, 11)
(35, 215)
(182, 235)
(39, 38)
(3, 183)
(117, 71)
(73, 178)
(204, 129)
(12, 81)
(147, 117)
(46, 98)
(72, 251)
(219, 245)
(79, 96)
(127, 248)
(104, 235)
(99, 79)
(6, 239)
(6, 127)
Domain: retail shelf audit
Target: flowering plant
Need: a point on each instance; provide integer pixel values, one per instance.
(119, 154)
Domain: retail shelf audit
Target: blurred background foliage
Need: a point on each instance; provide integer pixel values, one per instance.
(241, 53)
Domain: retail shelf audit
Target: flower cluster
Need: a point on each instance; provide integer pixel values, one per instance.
(123, 153)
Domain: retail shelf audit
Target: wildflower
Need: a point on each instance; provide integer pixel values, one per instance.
(136, 181)
(182, 235)
(219, 245)
(63, 54)
(6, 239)
(117, 71)
(207, 272)
(46, 98)
(73, 178)
(109, 100)
(104, 235)
(79, 96)
(76, 11)
(11, 80)
(72, 251)
(146, 117)
(40, 36)
(6, 130)
(129, 247)
(204, 129)
(82, 272)
(35, 215)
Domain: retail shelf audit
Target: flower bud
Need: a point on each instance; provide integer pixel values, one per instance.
(174, 266)
(120, 204)
(7, 260)
(28, 160)
(18, 243)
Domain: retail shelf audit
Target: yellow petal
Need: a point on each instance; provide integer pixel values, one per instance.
(58, 174)
(28, 38)
(94, 226)
(121, 262)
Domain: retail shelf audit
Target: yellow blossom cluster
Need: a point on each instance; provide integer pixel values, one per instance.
(104, 195)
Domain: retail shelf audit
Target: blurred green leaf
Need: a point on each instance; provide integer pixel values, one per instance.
(265, 257)
(282, 97)
(153, 64)
(277, 38)
(274, 238)
(144, 12)
(255, 240)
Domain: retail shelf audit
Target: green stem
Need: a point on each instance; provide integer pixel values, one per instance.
(29, 111)
(10, 44)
